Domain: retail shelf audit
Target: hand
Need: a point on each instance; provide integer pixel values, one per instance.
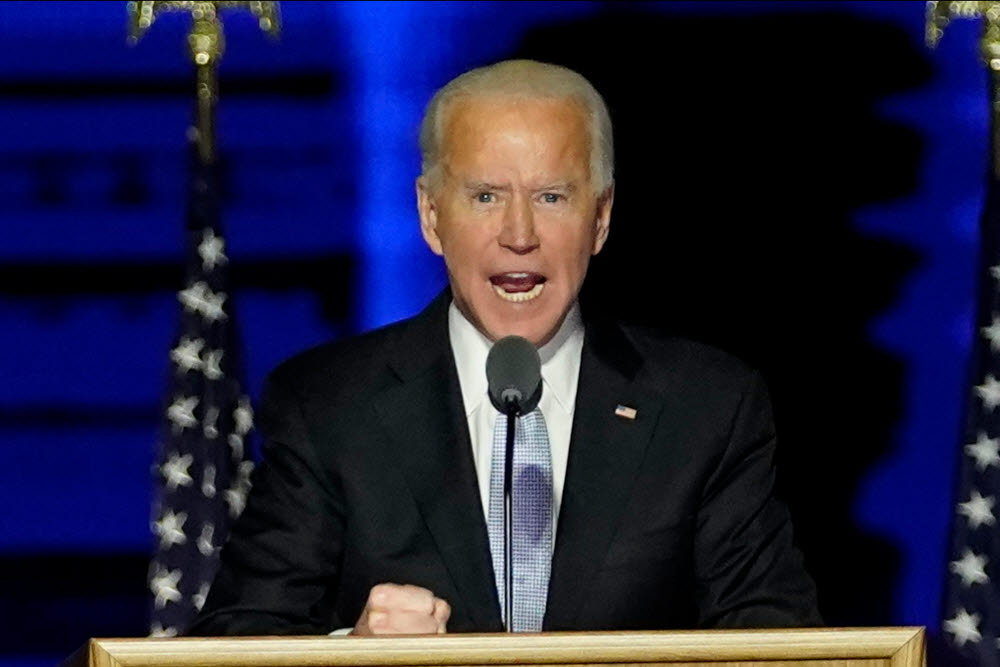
(395, 609)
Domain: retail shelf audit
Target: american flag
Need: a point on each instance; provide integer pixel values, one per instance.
(971, 622)
(203, 472)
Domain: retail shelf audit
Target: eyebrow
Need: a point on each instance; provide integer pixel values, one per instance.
(480, 185)
(561, 186)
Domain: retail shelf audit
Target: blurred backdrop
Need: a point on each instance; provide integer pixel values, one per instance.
(797, 183)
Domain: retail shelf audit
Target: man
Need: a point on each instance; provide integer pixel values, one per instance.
(376, 505)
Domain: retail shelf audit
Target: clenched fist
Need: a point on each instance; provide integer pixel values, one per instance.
(395, 609)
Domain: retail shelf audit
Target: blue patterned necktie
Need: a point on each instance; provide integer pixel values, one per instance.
(532, 521)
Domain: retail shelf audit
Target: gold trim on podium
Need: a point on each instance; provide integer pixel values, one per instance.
(820, 647)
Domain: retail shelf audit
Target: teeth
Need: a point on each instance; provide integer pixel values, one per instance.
(519, 297)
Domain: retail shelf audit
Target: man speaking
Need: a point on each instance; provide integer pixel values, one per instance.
(646, 499)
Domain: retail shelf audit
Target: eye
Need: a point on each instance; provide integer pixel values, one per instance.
(485, 197)
(551, 197)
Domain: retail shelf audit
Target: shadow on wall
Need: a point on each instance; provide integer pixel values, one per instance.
(743, 145)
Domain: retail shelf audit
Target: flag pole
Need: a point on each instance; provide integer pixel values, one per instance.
(940, 14)
(971, 613)
(206, 42)
(202, 475)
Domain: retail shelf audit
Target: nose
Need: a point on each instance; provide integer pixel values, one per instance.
(518, 231)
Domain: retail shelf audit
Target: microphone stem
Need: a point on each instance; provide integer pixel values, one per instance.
(508, 521)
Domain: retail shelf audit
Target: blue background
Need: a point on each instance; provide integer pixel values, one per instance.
(318, 131)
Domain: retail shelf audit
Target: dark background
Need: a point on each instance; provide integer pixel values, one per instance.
(799, 183)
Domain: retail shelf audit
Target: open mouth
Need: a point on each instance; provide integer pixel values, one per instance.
(518, 287)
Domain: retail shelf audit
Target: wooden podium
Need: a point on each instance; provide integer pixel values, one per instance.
(843, 647)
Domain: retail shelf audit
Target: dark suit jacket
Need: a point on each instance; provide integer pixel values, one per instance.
(667, 520)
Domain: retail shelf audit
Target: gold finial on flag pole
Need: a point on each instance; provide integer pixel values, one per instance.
(207, 43)
(940, 14)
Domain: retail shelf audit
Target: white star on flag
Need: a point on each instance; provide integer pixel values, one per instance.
(213, 364)
(989, 391)
(208, 481)
(992, 333)
(205, 545)
(243, 472)
(985, 450)
(978, 509)
(170, 528)
(210, 250)
(181, 412)
(211, 309)
(198, 599)
(209, 429)
(159, 631)
(243, 417)
(175, 471)
(187, 354)
(236, 444)
(236, 496)
(199, 298)
(193, 296)
(964, 626)
(971, 568)
(164, 586)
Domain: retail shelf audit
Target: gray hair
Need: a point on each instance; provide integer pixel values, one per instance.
(523, 78)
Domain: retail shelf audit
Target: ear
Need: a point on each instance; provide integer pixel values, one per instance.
(602, 217)
(427, 209)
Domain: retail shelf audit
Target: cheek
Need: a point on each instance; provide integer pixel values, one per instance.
(577, 250)
(462, 258)
(466, 245)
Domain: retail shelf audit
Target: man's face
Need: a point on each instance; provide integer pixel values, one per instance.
(514, 212)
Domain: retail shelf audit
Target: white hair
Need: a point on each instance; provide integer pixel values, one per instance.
(523, 78)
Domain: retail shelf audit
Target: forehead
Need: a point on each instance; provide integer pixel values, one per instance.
(508, 129)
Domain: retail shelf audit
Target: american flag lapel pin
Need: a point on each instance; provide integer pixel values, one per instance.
(626, 412)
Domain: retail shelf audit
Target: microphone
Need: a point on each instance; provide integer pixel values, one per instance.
(514, 376)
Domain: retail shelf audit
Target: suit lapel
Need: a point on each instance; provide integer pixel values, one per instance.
(425, 420)
(604, 457)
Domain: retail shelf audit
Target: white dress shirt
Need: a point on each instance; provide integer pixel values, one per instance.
(560, 375)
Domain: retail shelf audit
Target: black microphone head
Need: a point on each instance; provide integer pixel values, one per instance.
(514, 374)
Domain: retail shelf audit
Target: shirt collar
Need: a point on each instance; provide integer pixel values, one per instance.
(560, 359)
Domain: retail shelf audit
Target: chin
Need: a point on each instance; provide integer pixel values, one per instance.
(534, 321)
